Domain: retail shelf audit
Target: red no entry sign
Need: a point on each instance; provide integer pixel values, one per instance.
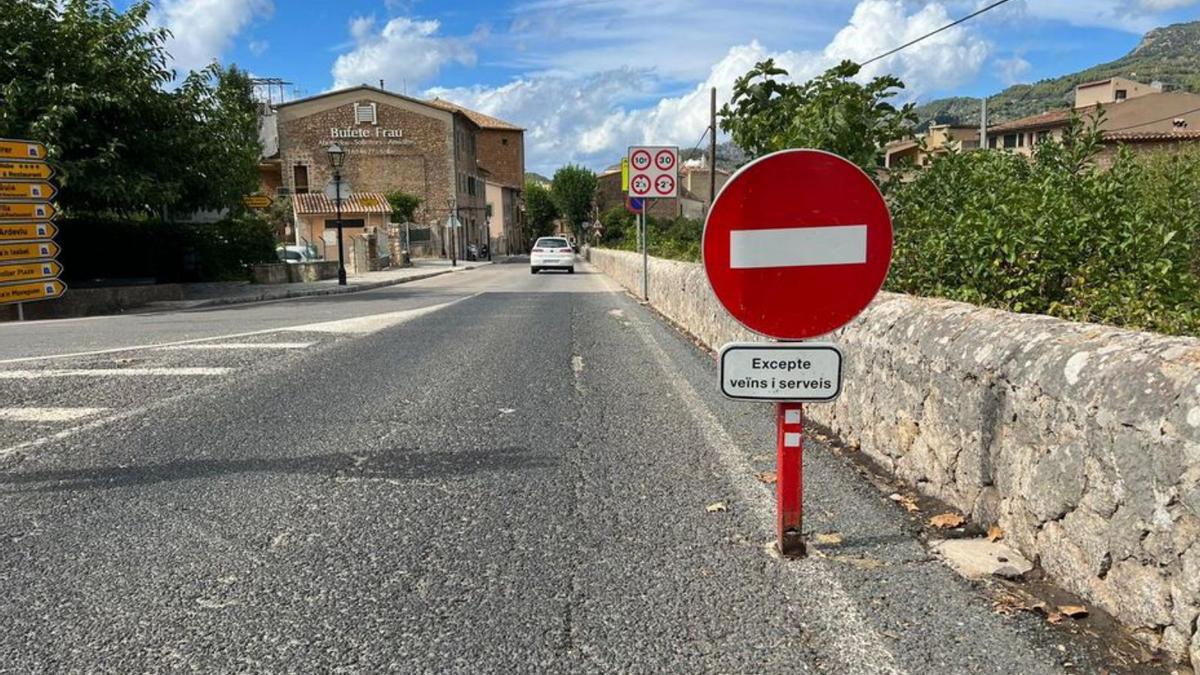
(797, 244)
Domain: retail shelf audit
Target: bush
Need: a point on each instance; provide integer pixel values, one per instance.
(110, 249)
(673, 238)
(1058, 235)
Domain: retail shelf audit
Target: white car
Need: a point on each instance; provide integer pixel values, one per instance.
(552, 253)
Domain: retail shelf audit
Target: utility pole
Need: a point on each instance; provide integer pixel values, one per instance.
(712, 150)
(983, 140)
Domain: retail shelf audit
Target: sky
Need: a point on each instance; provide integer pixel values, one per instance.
(587, 78)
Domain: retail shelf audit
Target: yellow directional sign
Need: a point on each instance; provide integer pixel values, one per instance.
(38, 290)
(12, 148)
(24, 231)
(33, 190)
(257, 201)
(624, 174)
(28, 250)
(35, 271)
(25, 170)
(34, 210)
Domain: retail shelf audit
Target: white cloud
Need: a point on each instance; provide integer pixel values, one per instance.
(587, 118)
(403, 50)
(203, 30)
(1012, 70)
(1132, 16)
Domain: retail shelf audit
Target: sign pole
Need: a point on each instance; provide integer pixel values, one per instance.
(645, 255)
(20, 311)
(789, 479)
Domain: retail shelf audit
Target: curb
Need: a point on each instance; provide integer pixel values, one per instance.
(317, 292)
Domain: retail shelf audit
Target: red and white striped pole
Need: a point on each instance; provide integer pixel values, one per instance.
(789, 479)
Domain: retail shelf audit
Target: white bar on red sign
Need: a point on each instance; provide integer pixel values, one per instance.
(798, 247)
(803, 372)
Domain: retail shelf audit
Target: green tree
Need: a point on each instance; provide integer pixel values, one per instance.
(404, 206)
(830, 112)
(540, 210)
(573, 188)
(91, 82)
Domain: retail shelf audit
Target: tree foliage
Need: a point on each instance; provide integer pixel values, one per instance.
(404, 206)
(1063, 234)
(540, 210)
(93, 83)
(573, 188)
(830, 112)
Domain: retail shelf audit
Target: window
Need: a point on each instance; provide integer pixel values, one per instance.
(300, 178)
(1020, 140)
(1122, 95)
(489, 210)
(503, 141)
(1043, 136)
(365, 113)
(331, 223)
(1010, 140)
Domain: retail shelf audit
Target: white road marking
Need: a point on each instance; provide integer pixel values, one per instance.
(856, 646)
(47, 414)
(215, 338)
(363, 325)
(110, 372)
(237, 345)
(798, 247)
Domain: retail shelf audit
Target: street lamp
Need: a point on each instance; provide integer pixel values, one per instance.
(452, 221)
(337, 157)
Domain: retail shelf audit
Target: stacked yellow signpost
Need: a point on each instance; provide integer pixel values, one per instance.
(28, 269)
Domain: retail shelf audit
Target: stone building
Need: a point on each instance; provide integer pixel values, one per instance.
(392, 143)
(500, 148)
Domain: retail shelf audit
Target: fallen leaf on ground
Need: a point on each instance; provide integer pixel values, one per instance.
(767, 477)
(1054, 618)
(946, 521)
(1073, 611)
(908, 503)
(716, 507)
(829, 538)
(995, 533)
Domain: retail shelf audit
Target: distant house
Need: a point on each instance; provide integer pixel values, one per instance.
(939, 139)
(1138, 115)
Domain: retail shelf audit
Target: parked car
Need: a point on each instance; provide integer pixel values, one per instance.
(295, 254)
(552, 253)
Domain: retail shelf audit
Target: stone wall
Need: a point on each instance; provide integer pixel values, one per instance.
(1081, 441)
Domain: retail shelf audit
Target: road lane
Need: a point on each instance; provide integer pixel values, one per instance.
(515, 482)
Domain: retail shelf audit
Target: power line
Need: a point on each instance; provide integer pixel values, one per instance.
(702, 137)
(926, 36)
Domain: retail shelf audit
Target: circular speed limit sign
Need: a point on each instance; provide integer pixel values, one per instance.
(640, 160)
(640, 185)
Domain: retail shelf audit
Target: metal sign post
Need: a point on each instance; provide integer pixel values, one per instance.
(645, 255)
(653, 174)
(765, 245)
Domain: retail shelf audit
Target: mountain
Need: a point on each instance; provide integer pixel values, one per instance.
(536, 178)
(1170, 55)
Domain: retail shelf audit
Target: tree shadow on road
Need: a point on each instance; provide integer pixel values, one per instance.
(397, 464)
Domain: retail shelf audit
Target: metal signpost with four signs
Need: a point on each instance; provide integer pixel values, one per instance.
(28, 269)
(796, 245)
(653, 174)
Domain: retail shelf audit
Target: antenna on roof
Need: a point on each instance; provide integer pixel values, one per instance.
(381, 83)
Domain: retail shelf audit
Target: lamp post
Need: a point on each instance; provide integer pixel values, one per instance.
(452, 221)
(337, 156)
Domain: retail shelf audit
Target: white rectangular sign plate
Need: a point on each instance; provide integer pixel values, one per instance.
(798, 247)
(803, 372)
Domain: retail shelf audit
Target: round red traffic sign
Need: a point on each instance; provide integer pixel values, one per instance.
(640, 185)
(797, 244)
(665, 159)
(640, 160)
(665, 185)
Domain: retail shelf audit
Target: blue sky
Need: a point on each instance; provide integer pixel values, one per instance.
(589, 77)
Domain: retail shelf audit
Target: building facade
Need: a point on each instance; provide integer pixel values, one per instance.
(392, 143)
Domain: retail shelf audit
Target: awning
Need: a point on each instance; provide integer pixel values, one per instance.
(357, 202)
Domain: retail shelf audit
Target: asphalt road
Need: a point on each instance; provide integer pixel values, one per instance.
(482, 472)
